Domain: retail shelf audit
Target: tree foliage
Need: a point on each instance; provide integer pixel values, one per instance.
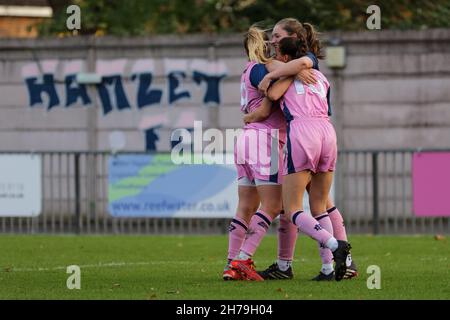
(146, 17)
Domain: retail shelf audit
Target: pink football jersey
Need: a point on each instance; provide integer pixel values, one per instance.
(306, 100)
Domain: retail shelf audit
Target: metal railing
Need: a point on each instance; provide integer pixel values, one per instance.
(373, 193)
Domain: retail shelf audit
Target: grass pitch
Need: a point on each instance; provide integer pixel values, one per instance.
(190, 267)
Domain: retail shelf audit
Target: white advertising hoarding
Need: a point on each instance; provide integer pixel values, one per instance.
(20, 185)
(153, 186)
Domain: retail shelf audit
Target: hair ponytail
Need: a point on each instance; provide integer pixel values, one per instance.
(255, 43)
(312, 37)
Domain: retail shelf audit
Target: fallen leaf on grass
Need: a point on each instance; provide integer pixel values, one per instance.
(173, 292)
(439, 237)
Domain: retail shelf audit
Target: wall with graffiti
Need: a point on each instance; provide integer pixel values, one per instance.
(131, 88)
(153, 85)
(40, 80)
(138, 104)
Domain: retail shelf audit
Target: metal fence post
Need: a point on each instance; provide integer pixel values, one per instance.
(375, 192)
(77, 194)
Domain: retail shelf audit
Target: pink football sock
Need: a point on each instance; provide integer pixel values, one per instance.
(325, 254)
(338, 224)
(259, 224)
(308, 225)
(287, 237)
(237, 230)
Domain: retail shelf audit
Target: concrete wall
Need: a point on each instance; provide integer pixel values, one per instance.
(393, 93)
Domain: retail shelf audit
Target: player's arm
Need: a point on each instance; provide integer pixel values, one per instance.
(278, 89)
(307, 76)
(291, 68)
(261, 113)
(273, 65)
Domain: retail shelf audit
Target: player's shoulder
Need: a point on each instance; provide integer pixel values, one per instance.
(314, 59)
(259, 67)
(257, 73)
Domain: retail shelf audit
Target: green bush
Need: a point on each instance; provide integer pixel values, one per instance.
(141, 17)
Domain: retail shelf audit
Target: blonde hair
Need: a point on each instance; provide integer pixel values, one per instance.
(256, 47)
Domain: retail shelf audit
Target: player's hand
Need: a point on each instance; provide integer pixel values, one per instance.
(307, 76)
(246, 119)
(264, 84)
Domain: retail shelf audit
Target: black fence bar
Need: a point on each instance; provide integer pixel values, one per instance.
(375, 220)
(77, 222)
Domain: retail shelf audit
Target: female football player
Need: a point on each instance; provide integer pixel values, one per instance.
(306, 223)
(258, 155)
(332, 220)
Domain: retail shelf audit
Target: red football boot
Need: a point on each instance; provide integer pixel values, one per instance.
(231, 274)
(247, 269)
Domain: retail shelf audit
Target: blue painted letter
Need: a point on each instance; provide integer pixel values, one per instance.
(212, 86)
(35, 90)
(146, 97)
(174, 82)
(119, 92)
(73, 92)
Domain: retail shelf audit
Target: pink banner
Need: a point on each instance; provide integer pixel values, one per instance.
(431, 184)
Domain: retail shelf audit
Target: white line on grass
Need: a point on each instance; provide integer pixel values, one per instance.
(98, 265)
(119, 264)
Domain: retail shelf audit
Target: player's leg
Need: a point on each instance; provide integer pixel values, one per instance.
(341, 234)
(320, 188)
(294, 186)
(270, 195)
(337, 221)
(333, 223)
(293, 190)
(318, 205)
(287, 237)
(248, 203)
